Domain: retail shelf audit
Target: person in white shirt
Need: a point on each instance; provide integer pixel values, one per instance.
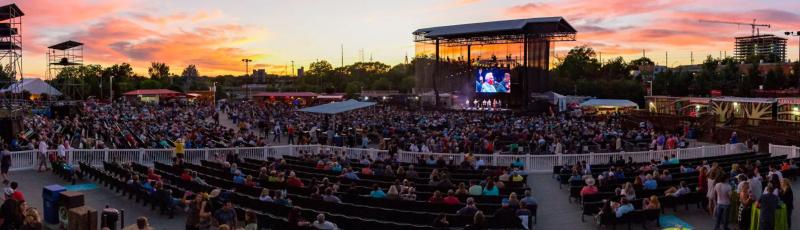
(62, 151)
(323, 224)
(42, 156)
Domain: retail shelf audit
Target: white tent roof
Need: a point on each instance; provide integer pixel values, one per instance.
(338, 107)
(33, 86)
(608, 103)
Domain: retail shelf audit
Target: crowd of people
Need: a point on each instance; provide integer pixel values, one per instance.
(743, 181)
(131, 125)
(394, 128)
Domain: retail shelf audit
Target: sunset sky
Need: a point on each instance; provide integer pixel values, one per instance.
(216, 35)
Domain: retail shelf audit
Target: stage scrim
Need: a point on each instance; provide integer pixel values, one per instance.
(452, 59)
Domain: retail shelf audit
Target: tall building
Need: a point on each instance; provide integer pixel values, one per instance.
(259, 75)
(768, 47)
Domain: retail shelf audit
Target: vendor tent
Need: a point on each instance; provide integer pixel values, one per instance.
(34, 86)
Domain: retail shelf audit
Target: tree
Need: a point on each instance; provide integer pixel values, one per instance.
(319, 68)
(189, 76)
(580, 62)
(353, 88)
(158, 70)
(614, 69)
(149, 84)
(382, 84)
(5, 77)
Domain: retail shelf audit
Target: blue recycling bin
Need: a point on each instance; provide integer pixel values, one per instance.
(50, 196)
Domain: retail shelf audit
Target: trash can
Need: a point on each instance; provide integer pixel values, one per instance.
(109, 218)
(50, 197)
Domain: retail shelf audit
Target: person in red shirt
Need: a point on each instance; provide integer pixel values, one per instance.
(186, 175)
(17, 195)
(294, 181)
(151, 174)
(436, 198)
(366, 170)
(589, 188)
(451, 198)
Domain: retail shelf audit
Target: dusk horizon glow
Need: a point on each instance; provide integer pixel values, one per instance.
(215, 35)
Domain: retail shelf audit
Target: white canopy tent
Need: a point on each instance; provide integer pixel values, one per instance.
(337, 107)
(34, 86)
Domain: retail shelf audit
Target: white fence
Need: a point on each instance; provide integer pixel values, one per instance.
(784, 150)
(22, 160)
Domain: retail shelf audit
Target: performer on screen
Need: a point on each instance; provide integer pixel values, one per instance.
(488, 85)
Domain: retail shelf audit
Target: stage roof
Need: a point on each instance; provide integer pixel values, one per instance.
(10, 11)
(608, 103)
(517, 26)
(151, 92)
(66, 45)
(285, 94)
(338, 107)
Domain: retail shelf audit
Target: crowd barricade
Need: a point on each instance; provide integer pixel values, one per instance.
(27, 159)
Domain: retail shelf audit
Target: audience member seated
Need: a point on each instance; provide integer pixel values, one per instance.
(451, 198)
(589, 188)
(377, 192)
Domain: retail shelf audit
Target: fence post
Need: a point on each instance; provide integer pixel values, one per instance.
(141, 156)
(291, 150)
(69, 157)
(105, 155)
(704, 150)
(205, 154)
(264, 153)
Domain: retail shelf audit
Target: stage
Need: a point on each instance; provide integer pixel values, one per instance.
(507, 61)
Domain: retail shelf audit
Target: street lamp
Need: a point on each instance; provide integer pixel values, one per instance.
(797, 34)
(246, 70)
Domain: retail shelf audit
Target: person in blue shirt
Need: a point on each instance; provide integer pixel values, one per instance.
(350, 175)
(491, 189)
(624, 208)
(238, 178)
(336, 167)
(650, 183)
(518, 164)
(377, 192)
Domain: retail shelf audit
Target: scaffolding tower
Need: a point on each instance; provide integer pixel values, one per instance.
(11, 43)
(767, 47)
(60, 56)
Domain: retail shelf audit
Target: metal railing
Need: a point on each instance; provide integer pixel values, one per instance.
(22, 160)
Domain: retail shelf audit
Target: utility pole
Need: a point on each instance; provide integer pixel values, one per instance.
(601, 58)
(666, 57)
(643, 54)
(111, 89)
(292, 68)
(342, 50)
(361, 52)
(691, 58)
(370, 57)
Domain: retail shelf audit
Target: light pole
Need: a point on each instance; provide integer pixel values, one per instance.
(796, 34)
(111, 89)
(247, 87)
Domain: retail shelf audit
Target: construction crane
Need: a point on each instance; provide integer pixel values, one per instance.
(752, 25)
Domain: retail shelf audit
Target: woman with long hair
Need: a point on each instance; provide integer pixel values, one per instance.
(787, 197)
(478, 222)
(746, 199)
(32, 221)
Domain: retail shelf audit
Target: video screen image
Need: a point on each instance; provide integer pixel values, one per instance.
(493, 80)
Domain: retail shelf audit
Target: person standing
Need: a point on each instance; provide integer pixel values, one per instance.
(5, 163)
(787, 197)
(722, 191)
(42, 155)
(746, 199)
(768, 204)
